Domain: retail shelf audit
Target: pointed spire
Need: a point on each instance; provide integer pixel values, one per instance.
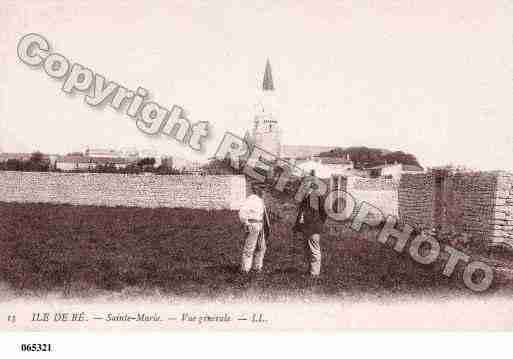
(267, 84)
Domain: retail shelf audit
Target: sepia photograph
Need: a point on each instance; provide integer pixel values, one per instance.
(255, 166)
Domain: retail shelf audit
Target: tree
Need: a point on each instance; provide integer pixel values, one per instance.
(146, 162)
(219, 167)
(36, 157)
(36, 163)
(166, 170)
(13, 165)
(106, 168)
(370, 157)
(132, 168)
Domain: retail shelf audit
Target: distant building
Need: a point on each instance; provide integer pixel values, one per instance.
(129, 152)
(394, 171)
(166, 161)
(53, 159)
(20, 156)
(102, 153)
(74, 163)
(185, 166)
(338, 164)
(302, 151)
(118, 162)
(86, 163)
(193, 168)
(5, 156)
(324, 167)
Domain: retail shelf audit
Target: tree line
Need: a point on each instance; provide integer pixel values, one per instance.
(38, 162)
(365, 157)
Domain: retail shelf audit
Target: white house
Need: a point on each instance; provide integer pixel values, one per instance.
(394, 170)
(324, 167)
(73, 163)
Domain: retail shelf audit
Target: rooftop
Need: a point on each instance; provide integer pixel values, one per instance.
(302, 151)
(406, 168)
(335, 160)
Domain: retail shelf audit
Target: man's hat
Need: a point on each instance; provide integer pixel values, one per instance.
(258, 187)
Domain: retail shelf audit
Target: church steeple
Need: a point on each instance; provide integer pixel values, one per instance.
(267, 84)
(266, 132)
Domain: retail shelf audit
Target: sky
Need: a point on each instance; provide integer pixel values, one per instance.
(433, 78)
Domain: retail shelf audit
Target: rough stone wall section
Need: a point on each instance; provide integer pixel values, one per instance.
(468, 204)
(477, 205)
(501, 223)
(208, 192)
(416, 200)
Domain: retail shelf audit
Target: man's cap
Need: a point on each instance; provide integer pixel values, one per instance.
(260, 187)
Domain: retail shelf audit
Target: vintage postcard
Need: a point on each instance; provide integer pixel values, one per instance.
(277, 165)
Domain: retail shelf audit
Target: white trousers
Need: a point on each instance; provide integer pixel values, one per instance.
(313, 253)
(254, 248)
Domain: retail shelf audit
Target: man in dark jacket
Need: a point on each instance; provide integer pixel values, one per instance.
(310, 221)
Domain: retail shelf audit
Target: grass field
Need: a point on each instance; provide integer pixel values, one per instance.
(185, 252)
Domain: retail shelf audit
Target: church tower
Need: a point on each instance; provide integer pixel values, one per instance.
(266, 132)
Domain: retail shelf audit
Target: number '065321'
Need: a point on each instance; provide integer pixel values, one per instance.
(36, 347)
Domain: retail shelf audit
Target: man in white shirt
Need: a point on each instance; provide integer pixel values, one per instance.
(253, 216)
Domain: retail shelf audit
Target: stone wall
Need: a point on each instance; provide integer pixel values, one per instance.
(477, 205)
(467, 204)
(209, 192)
(416, 200)
(501, 224)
